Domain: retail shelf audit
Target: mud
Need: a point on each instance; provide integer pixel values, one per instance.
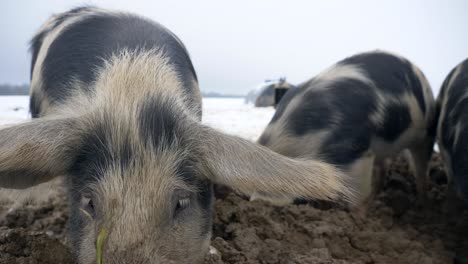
(34, 231)
(396, 230)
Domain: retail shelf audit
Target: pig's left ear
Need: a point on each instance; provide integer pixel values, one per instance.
(256, 170)
(36, 151)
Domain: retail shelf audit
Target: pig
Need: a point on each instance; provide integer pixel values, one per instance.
(357, 114)
(452, 129)
(116, 112)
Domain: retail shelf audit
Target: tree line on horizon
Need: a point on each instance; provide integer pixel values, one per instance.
(10, 89)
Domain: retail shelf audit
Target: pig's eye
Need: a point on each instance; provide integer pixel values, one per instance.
(90, 205)
(183, 203)
(182, 200)
(87, 207)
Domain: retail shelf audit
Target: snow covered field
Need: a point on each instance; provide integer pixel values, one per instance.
(229, 115)
(232, 116)
(13, 109)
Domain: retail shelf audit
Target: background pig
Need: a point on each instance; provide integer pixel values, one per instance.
(452, 130)
(119, 116)
(355, 114)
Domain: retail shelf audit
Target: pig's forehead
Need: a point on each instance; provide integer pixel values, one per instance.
(131, 154)
(169, 170)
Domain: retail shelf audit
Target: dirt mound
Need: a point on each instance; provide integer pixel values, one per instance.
(34, 232)
(396, 229)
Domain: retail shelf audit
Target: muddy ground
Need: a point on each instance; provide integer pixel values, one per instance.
(396, 229)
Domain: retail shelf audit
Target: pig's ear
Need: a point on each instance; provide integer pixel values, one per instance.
(35, 152)
(256, 170)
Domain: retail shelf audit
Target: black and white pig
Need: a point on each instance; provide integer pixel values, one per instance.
(452, 130)
(117, 112)
(356, 114)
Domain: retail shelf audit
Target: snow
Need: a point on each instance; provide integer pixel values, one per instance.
(232, 116)
(229, 115)
(13, 109)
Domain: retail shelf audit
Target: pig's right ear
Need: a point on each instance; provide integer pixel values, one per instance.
(35, 152)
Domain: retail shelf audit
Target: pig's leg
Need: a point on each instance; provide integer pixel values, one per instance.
(451, 197)
(420, 157)
(380, 170)
(361, 171)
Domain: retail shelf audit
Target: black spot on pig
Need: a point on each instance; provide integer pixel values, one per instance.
(322, 108)
(314, 113)
(158, 122)
(96, 154)
(390, 74)
(384, 69)
(87, 43)
(37, 40)
(396, 120)
(353, 100)
(346, 144)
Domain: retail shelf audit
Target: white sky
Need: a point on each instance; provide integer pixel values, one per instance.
(235, 45)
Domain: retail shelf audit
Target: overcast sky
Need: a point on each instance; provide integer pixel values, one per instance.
(235, 45)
